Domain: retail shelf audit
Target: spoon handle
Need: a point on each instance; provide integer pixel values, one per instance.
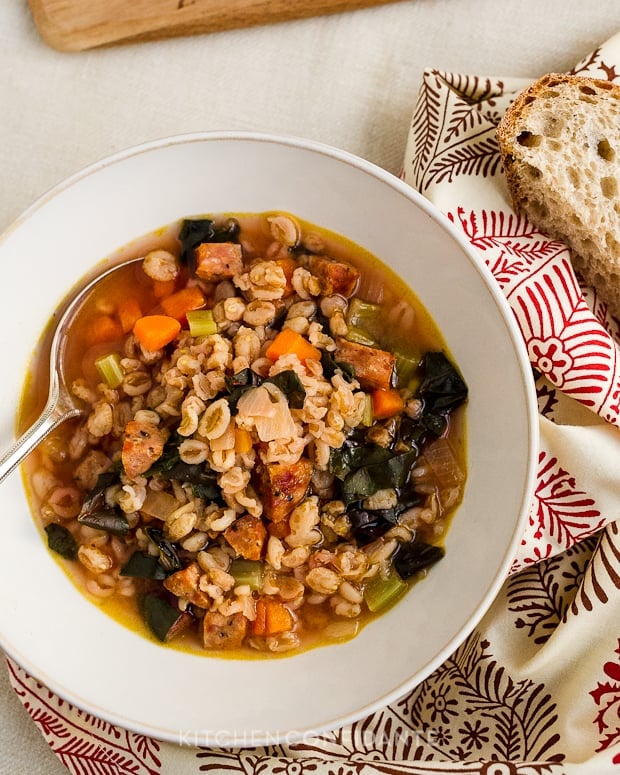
(55, 413)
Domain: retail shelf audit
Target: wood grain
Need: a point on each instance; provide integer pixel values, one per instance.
(75, 25)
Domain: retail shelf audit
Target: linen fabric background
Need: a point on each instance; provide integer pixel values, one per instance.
(536, 687)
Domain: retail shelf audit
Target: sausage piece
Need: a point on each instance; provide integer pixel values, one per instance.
(247, 537)
(223, 632)
(334, 276)
(373, 367)
(95, 463)
(184, 583)
(142, 446)
(217, 261)
(282, 487)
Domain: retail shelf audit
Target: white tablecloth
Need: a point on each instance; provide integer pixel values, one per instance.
(349, 80)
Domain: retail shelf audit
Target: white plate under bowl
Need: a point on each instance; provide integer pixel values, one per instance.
(86, 657)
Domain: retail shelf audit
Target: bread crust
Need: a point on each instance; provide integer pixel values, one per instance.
(560, 147)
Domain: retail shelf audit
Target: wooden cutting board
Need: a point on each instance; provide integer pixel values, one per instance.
(75, 25)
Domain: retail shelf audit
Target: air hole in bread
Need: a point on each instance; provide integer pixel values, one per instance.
(589, 100)
(576, 220)
(586, 89)
(611, 243)
(609, 187)
(555, 145)
(528, 139)
(550, 93)
(578, 262)
(553, 126)
(573, 176)
(605, 151)
(538, 209)
(532, 172)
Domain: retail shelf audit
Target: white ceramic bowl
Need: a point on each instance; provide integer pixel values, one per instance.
(86, 657)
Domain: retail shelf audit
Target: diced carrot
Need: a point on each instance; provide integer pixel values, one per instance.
(104, 328)
(163, 288)
(289, 341)
(259, 625)
(243, 441)
(272, 617)
(180, 303)
(128, 312)
(386, 403)
(288, 266)
(279, 618)
(156, 331)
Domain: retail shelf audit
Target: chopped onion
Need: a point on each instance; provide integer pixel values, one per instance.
(256, 403)
(444, 465)
(159, 504)
(268, 408)
(276, 396)
(281, 424)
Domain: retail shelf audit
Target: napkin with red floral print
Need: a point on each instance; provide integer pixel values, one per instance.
(536, 687)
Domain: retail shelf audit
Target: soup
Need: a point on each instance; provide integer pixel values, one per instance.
(273, 444)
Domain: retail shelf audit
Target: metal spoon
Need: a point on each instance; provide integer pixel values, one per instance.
(61, 405)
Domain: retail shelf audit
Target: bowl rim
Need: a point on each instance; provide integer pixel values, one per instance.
(528, 390)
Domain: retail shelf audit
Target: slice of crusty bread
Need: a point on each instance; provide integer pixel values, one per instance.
(560, 146)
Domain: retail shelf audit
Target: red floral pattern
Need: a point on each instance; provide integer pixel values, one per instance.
(560, 515)
(560, 510)
(83, 743)
(565, 341)
(607, 698)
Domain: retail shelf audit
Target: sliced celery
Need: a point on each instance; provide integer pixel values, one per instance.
(248, 572)
(359, 336)
(110, 369)
(360, 312)
(367, 415)
(381, 592)
(201, 322)
(406, 369)
(365, 322)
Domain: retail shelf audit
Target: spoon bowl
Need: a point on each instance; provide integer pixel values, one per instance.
(61, 405)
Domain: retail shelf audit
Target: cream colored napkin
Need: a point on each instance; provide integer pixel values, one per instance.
(536, 687)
